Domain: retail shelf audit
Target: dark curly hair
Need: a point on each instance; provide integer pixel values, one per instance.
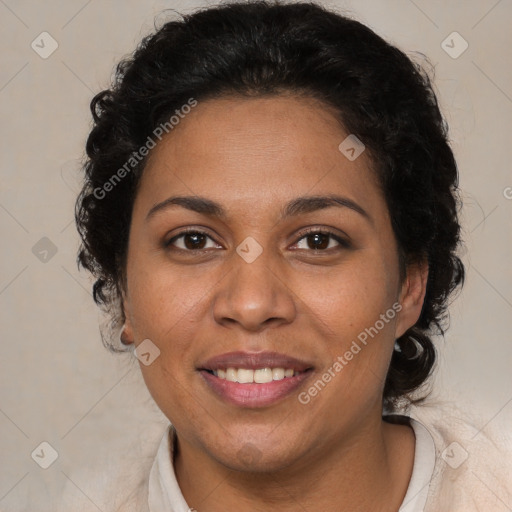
(266, 48)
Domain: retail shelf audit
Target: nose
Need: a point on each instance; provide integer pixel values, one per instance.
(253, 296)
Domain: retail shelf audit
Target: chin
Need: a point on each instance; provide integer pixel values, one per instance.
(257, 456)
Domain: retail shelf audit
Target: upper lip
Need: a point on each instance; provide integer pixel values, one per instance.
(254, 360)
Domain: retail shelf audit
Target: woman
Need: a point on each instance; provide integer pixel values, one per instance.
(270, 212)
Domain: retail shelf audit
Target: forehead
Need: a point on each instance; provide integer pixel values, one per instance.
(257, 151)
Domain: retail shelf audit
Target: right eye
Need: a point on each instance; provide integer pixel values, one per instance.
(191, 240)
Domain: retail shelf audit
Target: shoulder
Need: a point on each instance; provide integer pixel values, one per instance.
(473, 468)
(114, 481)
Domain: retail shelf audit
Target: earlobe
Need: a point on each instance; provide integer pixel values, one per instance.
(126, 335)
(412, 296)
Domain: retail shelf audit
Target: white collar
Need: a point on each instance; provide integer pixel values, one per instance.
(165, 494)
(424, 461)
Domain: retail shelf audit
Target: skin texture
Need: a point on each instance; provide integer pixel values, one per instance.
(253, 156)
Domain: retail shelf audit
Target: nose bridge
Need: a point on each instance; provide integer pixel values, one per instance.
(253, 293)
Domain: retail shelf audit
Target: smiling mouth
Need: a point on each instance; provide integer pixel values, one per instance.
(255, 376)
(248, 392)
(254, 379)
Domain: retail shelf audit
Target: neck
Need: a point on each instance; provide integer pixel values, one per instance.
(369, 470)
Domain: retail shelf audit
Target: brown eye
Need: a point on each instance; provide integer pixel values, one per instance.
(317, 240)
(194, 241)
(191, 241)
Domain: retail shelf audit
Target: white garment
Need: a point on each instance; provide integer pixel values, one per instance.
(458, 467)
(422, 471)
(165, 494)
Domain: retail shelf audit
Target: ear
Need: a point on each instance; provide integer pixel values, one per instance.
(126, 336)
(412, 296)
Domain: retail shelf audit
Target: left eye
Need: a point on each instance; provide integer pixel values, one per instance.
(321, 240)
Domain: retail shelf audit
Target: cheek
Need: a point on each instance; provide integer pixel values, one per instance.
(164, 301)
(358, 309)
(352, 297)
(164, 307)
(358, 343)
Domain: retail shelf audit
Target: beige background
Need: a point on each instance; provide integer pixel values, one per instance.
(57, 382)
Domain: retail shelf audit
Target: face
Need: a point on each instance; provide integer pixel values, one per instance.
(265, 269)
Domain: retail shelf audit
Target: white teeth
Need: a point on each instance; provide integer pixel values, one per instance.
(263, 375)
(259, 376)
(245, 376)
(231, 374)
(278, 373)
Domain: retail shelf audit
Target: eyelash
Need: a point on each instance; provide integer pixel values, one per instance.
(343, 243)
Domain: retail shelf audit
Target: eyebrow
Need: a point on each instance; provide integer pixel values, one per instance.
(297, 206)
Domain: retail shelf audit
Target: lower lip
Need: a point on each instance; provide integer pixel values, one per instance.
(254, 395)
